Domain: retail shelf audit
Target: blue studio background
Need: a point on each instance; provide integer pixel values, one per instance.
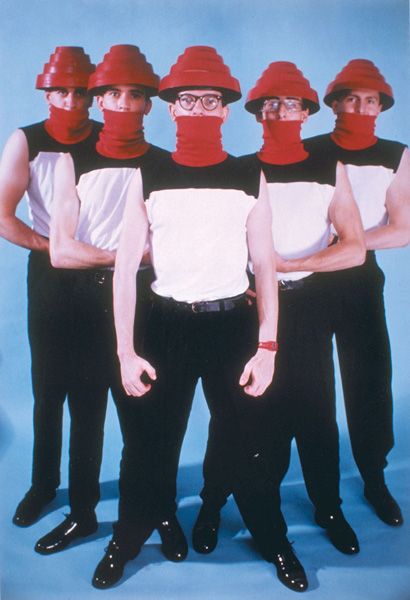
(320, 36)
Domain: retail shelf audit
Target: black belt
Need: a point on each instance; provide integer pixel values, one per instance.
(222, 305)
(286, 285)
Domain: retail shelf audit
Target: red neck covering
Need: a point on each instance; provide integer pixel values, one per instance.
(354, 131)
(282, 144)
(68, 126)
(199, 141)
(122, 135)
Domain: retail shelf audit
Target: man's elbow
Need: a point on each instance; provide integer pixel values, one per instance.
(58, 257)
(359, 253)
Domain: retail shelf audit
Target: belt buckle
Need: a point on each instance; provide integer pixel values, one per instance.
(284, 285)
(195, 307)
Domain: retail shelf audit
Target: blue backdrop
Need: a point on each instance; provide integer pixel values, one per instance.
(320, 36)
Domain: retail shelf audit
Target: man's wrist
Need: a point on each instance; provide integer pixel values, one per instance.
(271, 345)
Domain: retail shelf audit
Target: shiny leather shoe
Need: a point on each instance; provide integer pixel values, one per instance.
(110, 569)
(205, 532)
(384, 504)
(61, 536)
(339, 531)
(289, 569)
(31, 506)
(174, 545)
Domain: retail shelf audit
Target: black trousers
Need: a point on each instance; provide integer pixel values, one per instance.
(95, 370)
(184, 347)
(301, 404)
(49, 332)
(359, 322)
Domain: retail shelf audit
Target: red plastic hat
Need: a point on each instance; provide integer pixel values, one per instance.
(199, 67)
(282, 78)
(360, 73)
(124, 64)
(68, 66)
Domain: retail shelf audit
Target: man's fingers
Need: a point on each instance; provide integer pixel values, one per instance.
(245, 374)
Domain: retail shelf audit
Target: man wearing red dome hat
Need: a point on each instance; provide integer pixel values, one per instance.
(88, 209)
(307, 195)
(204, 212)
(379, 172)
(27, 166)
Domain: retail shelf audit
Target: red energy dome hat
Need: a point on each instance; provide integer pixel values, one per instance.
(124, 64)
(360, 73)
(199, 67)
(68, 66)
(282, 78)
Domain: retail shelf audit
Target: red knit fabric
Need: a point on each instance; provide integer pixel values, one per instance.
(282, 144)
(360, 74)
(199, 67)
(354, 131)
(122, 135)
(282, 78)
(199, 141)
(68, 66)
(124, 64)
(68, 126)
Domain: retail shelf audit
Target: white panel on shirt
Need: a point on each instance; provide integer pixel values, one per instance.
(300, 220)
(40, 190)
(102, 196)
(198, 242)
(369, 184)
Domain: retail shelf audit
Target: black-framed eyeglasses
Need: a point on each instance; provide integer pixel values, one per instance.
(289, 104)
(208, 101)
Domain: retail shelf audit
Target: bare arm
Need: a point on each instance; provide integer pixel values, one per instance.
(65, 251)
(14, 179)
(345, 216)
(258, 372)
(129, 256)
(397, 231)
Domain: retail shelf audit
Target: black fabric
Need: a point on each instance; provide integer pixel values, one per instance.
(40, 141)
(183, 347)
(387, 153)
(50, 344)
(232, 173)
(359, 322)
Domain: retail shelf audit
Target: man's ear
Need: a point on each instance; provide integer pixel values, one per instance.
(47, 97)
(304, 115)
(100, 101)
(148, 106)
(258, 116)
(334, 106)
(171, 109)
(225, 113)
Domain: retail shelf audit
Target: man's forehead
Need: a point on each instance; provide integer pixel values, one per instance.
(126, 88)
(198, 92)
(362, 92)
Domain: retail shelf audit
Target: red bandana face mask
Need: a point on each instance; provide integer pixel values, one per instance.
(282, 143)
(122, 135)
(354, 131)
(68, 126)
(199, 141)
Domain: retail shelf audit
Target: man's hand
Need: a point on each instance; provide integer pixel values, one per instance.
(132, 369)
(281, 264)
(258, 372)
(250, 297)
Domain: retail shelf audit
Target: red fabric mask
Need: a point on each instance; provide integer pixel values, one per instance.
(68, 126)
(199, 141)
(282, 144)
(122, 135)
(354, 131)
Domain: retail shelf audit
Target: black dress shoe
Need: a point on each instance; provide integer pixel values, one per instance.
(174, 545)
(31, 506)
(339, 531)
(289, 569)
(384, 504)
(59, 538)
(205, 531)
(111, 567)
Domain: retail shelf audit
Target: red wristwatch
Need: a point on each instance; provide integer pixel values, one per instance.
(273, 346)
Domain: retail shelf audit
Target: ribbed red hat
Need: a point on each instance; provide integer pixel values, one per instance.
(199, 67)
(282, 78)
(124, 64)
(360, 73)
(68, 66)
